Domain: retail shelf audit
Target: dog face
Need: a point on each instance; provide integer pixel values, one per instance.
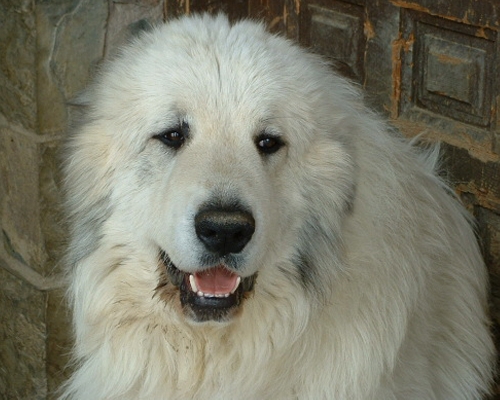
(217, 208)
(216, 153)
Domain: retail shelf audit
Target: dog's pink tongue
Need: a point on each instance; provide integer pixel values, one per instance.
(217, 280)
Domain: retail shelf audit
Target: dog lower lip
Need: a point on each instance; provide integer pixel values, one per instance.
(214, 302)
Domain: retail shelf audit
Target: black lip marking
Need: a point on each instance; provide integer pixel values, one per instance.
(176, 276)
(203, 308)
(214, 302)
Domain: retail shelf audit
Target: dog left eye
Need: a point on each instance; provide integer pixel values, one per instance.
(174, 137)
(268, 144)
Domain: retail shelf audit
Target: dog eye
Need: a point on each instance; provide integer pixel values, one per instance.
(174, 137)
(268, 144)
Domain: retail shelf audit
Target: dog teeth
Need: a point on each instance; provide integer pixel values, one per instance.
(238, 280)
(194, 288)
(199, 293)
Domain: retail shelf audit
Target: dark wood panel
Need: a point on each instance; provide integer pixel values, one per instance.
(483, 13)
(335, 29)
(235, 9)
(450, 70)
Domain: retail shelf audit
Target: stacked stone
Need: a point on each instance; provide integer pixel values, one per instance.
(48, 52)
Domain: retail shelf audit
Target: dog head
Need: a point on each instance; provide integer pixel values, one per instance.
(215, 147)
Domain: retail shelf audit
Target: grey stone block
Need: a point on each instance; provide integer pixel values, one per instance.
(17, 62)
(22, 340)
(70, 43)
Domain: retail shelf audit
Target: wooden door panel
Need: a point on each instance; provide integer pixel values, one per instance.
(335, 29)
(448, 69)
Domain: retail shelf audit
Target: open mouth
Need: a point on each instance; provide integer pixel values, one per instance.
(212, 294)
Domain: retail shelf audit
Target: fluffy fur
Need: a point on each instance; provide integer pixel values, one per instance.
(369, 281)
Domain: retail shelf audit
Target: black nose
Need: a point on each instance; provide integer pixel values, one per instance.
(224, 231)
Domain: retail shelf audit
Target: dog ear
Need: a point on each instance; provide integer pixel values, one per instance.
(81, 100)
(138, 27)
(78, 109)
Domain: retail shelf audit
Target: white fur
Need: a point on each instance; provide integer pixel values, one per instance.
(393, 305)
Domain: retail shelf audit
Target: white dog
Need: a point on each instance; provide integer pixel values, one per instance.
(242, 227)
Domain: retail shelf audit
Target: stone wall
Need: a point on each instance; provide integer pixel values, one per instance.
(48, 49)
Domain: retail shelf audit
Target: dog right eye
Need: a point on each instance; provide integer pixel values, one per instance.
(268, 144)
(175, 137)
